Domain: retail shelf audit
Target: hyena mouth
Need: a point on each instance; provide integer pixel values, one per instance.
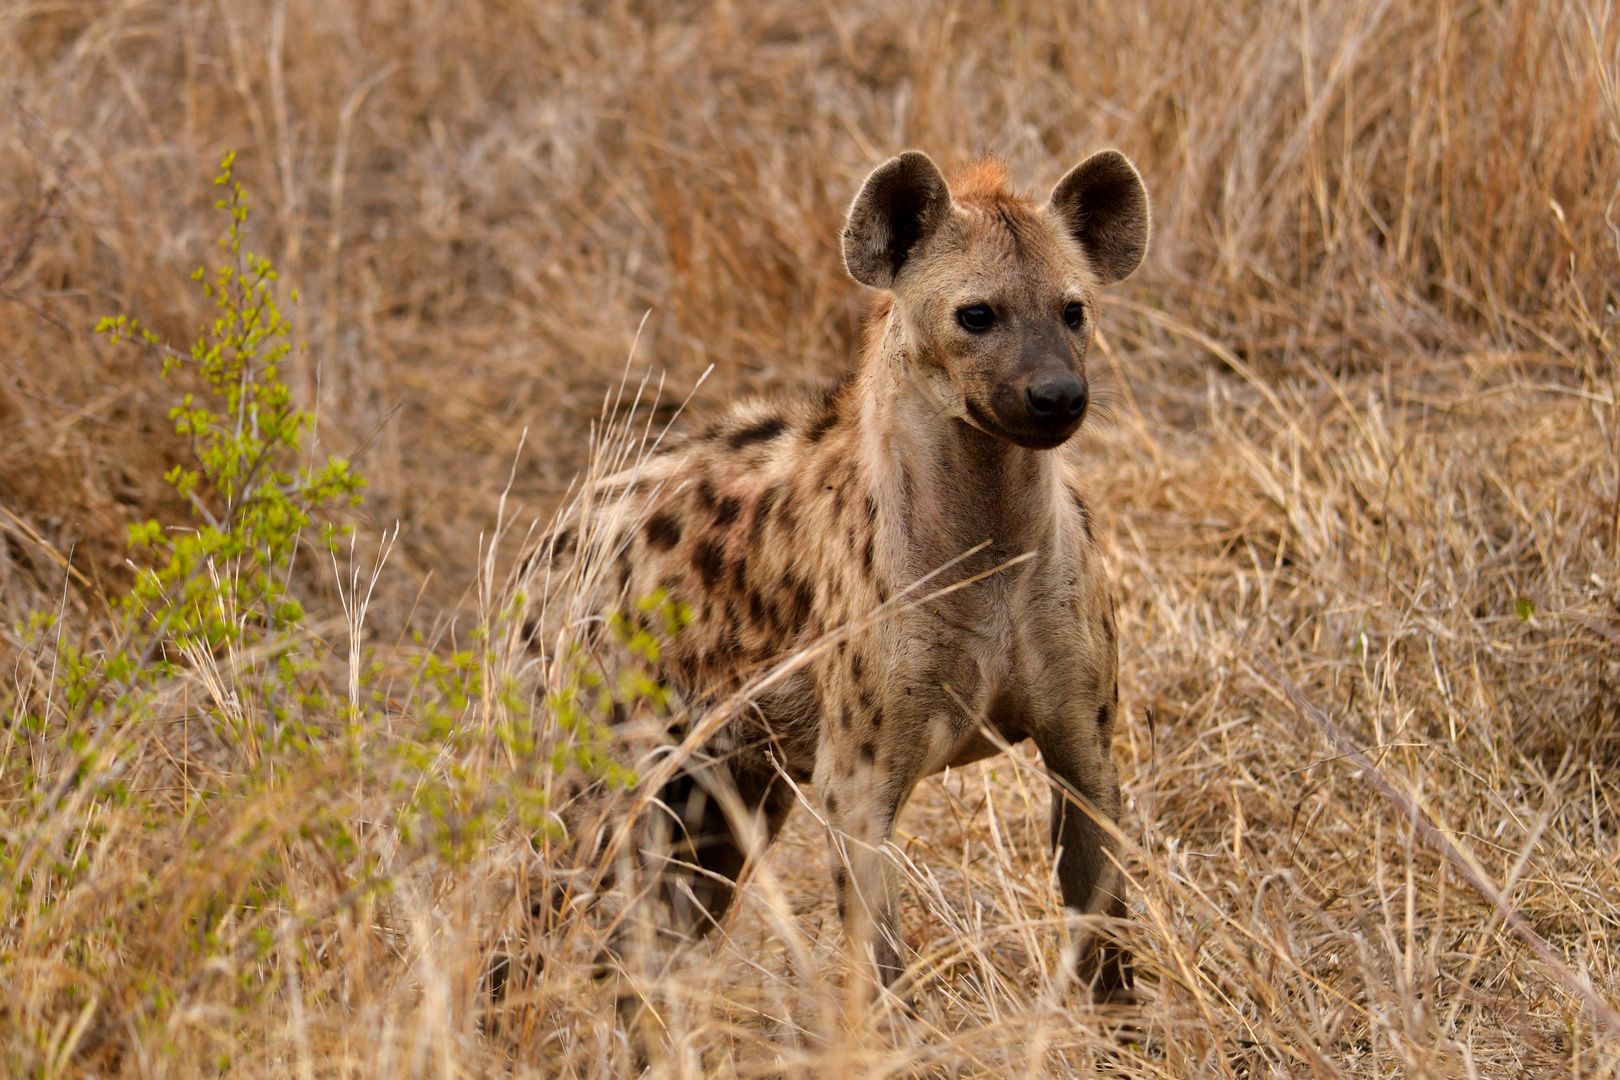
(1028, 440)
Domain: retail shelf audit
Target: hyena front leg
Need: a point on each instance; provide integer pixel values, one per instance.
(861, 786)
(1085, 794)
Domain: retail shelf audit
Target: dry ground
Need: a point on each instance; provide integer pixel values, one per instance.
(1362, 426)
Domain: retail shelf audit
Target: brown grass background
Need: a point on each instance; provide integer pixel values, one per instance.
(1361, 416)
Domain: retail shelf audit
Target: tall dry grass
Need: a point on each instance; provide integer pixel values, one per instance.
(1363, 427)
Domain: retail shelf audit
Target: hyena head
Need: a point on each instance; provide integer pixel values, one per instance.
(995, 295)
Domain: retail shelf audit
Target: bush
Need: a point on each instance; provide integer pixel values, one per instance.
(209, 718)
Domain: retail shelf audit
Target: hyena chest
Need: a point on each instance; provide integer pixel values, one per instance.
(1002, 660)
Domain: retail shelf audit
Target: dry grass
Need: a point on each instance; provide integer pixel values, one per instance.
(1363, 425)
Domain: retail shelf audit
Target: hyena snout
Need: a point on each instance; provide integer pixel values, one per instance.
(1039, 411)
(1056, 400)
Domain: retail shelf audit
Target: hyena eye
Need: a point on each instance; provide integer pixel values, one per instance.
(1074, 315)
(976, 317)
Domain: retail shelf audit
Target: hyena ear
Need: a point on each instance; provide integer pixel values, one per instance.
(900, 205)
(1104, 205)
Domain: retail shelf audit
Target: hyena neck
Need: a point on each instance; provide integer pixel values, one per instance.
(956, 485)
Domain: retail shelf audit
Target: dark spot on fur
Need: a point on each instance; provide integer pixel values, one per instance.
(784, 512)
(739, 574)
(866, 700)
(709, 560)
(756, 607)
(1103, 719)
(823, 424)
(705, 494)
(877, 717)
(663, 532)
(856, 664)
(866, 555)
(845, 720)
(804, 599)
(831, 392)
(868, 753)
(832, 808)
(727, 511)
(871, 510)
(764, 431)
(800, 597)
(773, 615)
(762, 509)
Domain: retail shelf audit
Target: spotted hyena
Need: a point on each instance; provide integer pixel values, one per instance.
(781, 521)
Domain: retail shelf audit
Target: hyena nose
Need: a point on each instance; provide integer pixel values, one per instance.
(1056, 398)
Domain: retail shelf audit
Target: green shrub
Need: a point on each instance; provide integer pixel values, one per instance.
(225, 581)
(309, 743)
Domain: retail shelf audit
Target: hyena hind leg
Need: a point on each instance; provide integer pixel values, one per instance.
(707, 824)
(710, 821)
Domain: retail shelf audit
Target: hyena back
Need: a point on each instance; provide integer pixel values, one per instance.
(784, 519)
